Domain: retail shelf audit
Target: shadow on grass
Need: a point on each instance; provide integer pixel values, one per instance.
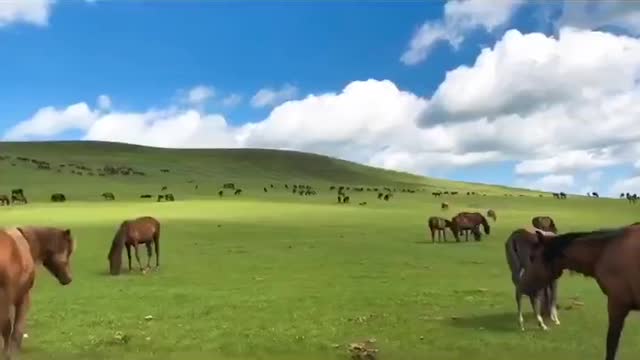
(497, 322)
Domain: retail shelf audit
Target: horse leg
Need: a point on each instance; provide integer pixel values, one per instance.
(519, 306)
(149, 254)
(135, 247)
(156, 243)
(553, 290)
(21, 320)
(535, 304)
(617, 316)
(433, 231)
(129, 255)
(5, 322)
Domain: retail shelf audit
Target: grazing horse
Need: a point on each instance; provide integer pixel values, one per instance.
(517, 249)
(444, 206)
(58, 197)
(22, 249)
(544, 223)
(492, 214)
(108, 196)
(4, 200)
(438, 225)
(610, 256)
(143, 230)
(469, 221)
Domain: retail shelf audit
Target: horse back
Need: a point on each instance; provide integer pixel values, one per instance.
(142, 229)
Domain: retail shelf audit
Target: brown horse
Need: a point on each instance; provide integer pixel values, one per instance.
(21, 250)
(492, 214)
(469, 221)
(4, 200)
(611, 257)
(143, 230)
(517, 249)
(544, 223)
(439, 225)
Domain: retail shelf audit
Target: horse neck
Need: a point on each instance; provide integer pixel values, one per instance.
(118, 241)
(36, 245)
(581, 258)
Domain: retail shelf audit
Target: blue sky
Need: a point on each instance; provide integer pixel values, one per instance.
(510, 92)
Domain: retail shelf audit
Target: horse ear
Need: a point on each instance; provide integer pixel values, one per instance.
(67, 232)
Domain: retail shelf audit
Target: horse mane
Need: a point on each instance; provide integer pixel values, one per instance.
(560, 243)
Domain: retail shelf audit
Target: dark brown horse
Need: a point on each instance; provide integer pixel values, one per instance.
(492, 214)
(131, 233)
(438, 225)
(4, 200)
(470, 221)
(517, 249)
(611, 257)
(21, 251)
(544, 223)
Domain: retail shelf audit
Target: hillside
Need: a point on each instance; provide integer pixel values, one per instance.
(79, 167)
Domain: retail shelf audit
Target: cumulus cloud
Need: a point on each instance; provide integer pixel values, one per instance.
(199, 94)
(271, 97)
(49, 121)
(553, 183)
(597, 14)
(629, 185)
(34, 12)
(460, 18)
(104, 102)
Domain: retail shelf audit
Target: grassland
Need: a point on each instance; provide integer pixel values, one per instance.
(281, 276)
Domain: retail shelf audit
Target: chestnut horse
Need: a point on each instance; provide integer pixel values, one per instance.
(517, 250)
(22, 249)
(143, 230)
(469, 221)
(610, 256)
(438, 225)
(544, 223)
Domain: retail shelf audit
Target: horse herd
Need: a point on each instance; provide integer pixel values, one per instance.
(22, 249)
(536, 259)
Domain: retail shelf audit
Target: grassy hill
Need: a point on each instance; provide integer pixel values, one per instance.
(76, 169)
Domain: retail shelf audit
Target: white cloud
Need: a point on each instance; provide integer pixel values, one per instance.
(271, 97)
(232, 100)
(571, 161)
(460, 17)
(35, 12)
(104, 102)
(49, 121)
(200, 94)
(629, 185)
(552, 183)
(596, 14)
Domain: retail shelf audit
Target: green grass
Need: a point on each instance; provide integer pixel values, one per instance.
(278, 276)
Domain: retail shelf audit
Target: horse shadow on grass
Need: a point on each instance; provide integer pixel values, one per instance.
(496, 322)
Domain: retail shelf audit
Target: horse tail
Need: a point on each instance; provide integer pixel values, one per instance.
(485, 225)
(513, 260)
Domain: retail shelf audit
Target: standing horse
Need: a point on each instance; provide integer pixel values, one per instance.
(544, 223)
(517, 249)
(611, 257)
(22, 249)
(439, 225)
(469, 221)
(143, 230)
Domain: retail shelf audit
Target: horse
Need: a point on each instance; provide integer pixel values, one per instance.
(492, 214)
(4, 200)
(143, 230)
(610, 256)
(469, 221)
(544, 223)
(444, 206)
(517, 250)
(22, 249)
(108, 196)
(58, 197)
(439, 225)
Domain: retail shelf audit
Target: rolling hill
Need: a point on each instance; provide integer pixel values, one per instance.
(78, 167)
